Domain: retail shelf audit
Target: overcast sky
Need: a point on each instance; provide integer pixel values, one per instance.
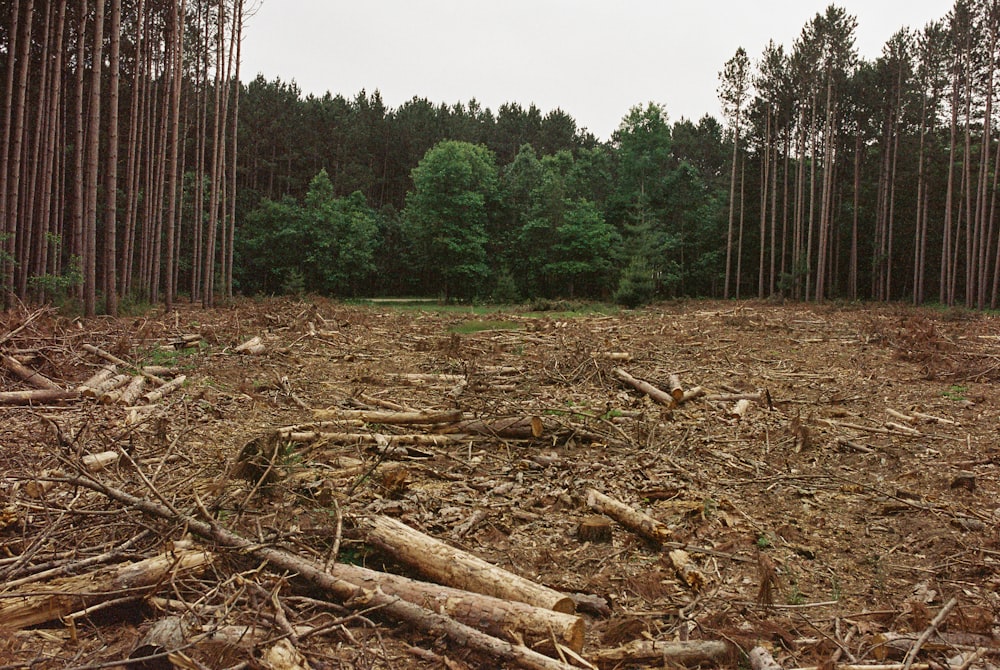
(594, 59)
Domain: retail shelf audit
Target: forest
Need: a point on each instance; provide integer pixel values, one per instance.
(139, 167)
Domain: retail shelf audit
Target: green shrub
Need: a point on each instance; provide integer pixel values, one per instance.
(637, 285)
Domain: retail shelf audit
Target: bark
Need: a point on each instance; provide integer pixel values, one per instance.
(32, 377)
(111, 165)
(636, 521)
(354, 595)
(658, 395)
(669, 654)
(62, 597)
(458, 569)
(40, 396)
(93, 161)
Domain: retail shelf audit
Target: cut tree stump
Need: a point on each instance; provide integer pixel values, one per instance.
(456, 568)
(594, 528)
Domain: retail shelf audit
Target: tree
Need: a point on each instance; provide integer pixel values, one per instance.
(734, 88)
(454, 190)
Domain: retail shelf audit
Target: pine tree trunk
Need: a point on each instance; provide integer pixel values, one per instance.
(92, 168)
(13, 228)
(173, 176)
(111, 170)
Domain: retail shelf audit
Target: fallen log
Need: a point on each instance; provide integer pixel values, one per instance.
(513, 428)
(351, 594)
(167, 388)
(90, 462)
(133, 391)
(676, 390)
(35, 397)
(667, 654)
(254, 346)
(761, 659)
(496, 616)
(61, 597)
(32, 377)
(692, 393)
(658, 395)
(104, 374)
(456, 568)
(111, 358)
(393, 418)
(636, 521)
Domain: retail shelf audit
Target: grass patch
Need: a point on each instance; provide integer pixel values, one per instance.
(469, 327)
(173, 358)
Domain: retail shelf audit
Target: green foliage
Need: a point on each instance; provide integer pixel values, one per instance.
(637, 286)
(454, 190)
(505, 289)
(584, 250)
(325, 245)
(58, 289)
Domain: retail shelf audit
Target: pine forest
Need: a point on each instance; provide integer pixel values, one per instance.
(139, 166)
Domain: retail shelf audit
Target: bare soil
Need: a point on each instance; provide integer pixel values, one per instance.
(831, 521)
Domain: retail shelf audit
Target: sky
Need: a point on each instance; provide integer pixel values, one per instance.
(594, 59)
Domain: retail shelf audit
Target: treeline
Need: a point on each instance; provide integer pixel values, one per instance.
(155, 174)
(459, 202)
(117, 175)
(867, 179)
(836, 177)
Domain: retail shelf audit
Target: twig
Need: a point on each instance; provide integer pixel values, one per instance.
(931, 629)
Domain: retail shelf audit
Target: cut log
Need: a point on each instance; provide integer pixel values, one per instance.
(692, 393)
(158, 394)
(283, 655)
(676, 390)
(392, 418)
(90, 462)
(111, 358)
(107, 386)
(32, 377)
(35, 397)
(254, 346)
(456, 568)
(636, 521)
(61, 597)
(666, 654)
(133, 391)
(734, 397)
(658, 395)
(513, 428)
(495, 616)
(739, 410)
(687, 570)
(761, 659)
(89, 387)
(356, 596)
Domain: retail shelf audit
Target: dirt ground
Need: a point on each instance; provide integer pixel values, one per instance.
(850, 503)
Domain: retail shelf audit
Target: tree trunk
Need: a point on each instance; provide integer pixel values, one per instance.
(93, 164)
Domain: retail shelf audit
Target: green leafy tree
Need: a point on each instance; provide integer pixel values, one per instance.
(454, 192)
(583, 255)
(325, 245)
